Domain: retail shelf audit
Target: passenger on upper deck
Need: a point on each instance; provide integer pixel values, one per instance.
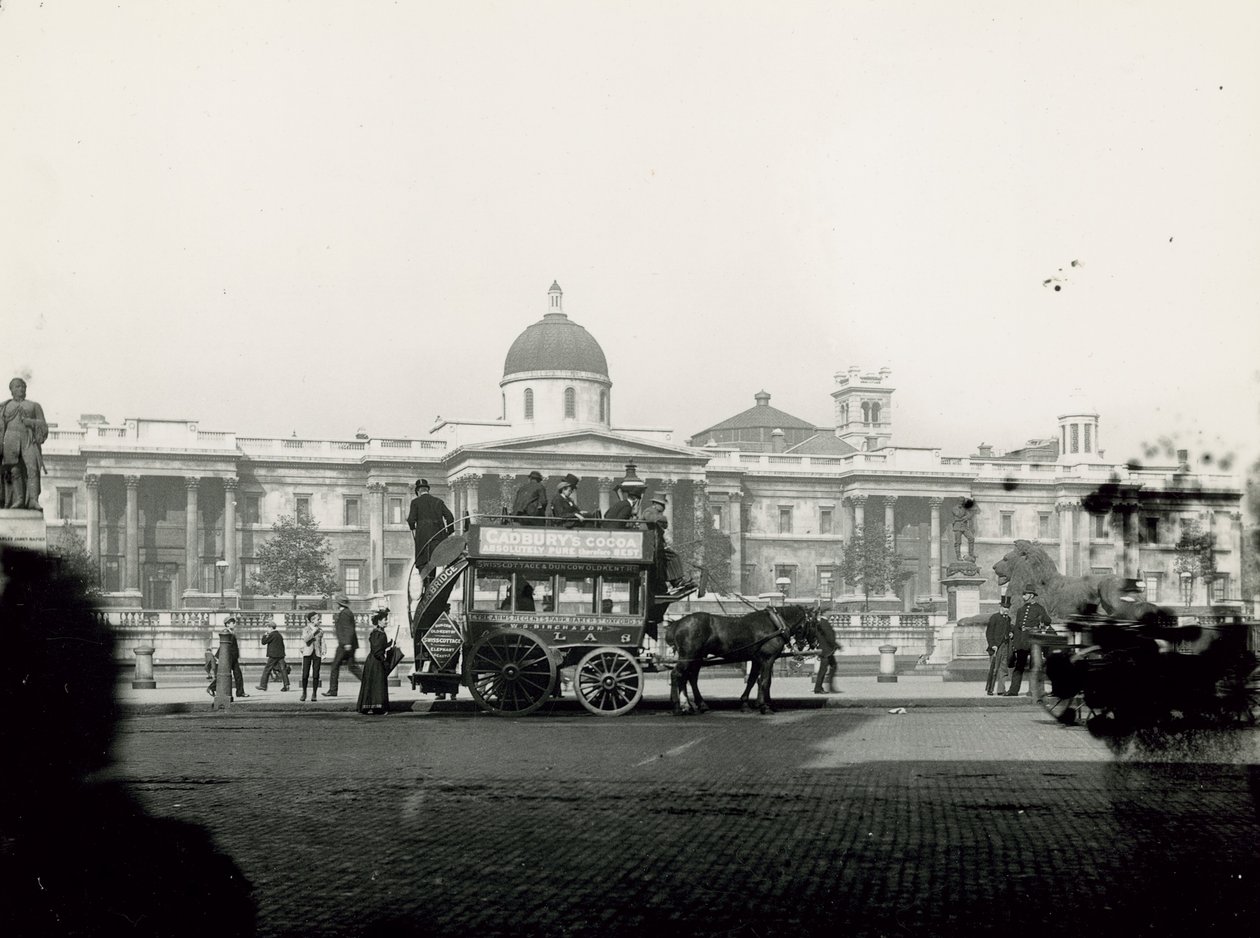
(623, 510)
(564, 505)
(671, 563)
(530, 502)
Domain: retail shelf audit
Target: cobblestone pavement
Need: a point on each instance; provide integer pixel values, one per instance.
(813, 822)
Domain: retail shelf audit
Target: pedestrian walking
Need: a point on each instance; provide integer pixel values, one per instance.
(827, 648)
(530, 503)
(274, 640)
(430, 522)
(997, 641)
(313, 650)
(1029, 618)
(373, 687)
(347, 645)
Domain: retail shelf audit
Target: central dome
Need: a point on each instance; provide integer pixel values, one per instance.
(555, 343)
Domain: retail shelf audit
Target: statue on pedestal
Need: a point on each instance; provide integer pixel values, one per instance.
(23, 431)
(964, 526)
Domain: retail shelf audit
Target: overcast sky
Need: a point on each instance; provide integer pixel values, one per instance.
(319, 216)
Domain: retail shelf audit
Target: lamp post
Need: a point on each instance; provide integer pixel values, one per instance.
(784, 584)
(221, 570)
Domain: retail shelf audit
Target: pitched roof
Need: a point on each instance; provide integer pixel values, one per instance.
(822, 444)
(761, 416)
(1034, 451)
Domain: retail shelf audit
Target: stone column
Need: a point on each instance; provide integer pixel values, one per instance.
(192, 547)
(471, 494)
(1132, 553)
(229, 535)
(859, 511)
(1065, 557)
(132, 582)
(376, 537)
(1084, 524)
(605, 495)
(736, 523)
(702, 522)
(934, 550)
(667, 486)
(890, 531)
(93, 483)
(507, 492)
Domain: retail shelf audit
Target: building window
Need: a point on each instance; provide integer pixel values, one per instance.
(1088, 428)
(785, 519)
(603, 406)
(1043, 524)
(826, 582)
(65, 503)
(570, 403)
(209, 577)
(1220, 588)
(529, 403)
(395, 510)
(111, 574)
(302, 507)
(716, 511)
(824, 520)
(350, 511)
(1076, 437)
(875, 412)
(1101, 531)
(1150, 530)
(249, 570)
(1008, 524)
(251, 513)
(1153, 583)
(395, 574)
(351, 572)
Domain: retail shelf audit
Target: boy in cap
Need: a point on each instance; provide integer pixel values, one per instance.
(275, 658)
(530, 502)
(347, 644)
(670, 562)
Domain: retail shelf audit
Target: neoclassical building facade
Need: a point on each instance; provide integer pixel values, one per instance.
(174, 514)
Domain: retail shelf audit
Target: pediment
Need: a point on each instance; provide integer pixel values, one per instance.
(586, 442)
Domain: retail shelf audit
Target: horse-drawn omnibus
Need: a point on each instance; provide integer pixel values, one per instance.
(532, 598)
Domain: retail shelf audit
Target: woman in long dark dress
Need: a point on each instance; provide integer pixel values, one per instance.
(374, 689)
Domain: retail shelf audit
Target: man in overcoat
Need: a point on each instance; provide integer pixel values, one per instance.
(23, 432)
(1031, 617)
(347, 645)
(997, 642)
(564, 505)
(530, 503)
(430, 522)
(622, 510)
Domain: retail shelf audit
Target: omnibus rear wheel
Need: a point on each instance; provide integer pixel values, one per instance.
(509, 673)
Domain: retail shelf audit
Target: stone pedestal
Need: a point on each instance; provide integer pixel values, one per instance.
(143, 678)
(954, 648)
(21, 527)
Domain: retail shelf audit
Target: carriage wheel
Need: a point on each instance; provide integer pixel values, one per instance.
(1064, 709)
(608, 681)
(509, 673)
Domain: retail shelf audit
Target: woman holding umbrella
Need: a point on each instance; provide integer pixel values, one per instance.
(374, 689)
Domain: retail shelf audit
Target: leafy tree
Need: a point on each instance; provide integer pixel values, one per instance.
(871, 562)
(1195, 555)
(295, 560)
(77, 561)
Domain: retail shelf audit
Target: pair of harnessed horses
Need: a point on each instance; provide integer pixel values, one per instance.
(759, 637)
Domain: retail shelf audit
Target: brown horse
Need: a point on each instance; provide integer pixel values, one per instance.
(704, 638)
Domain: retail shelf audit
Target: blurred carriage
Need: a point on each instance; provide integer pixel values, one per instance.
(1148, 672)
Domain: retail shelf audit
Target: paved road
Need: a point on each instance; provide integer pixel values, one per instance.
(811, 822)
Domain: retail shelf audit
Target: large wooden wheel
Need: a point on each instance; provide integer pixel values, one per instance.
(608, 681)
(509, 673)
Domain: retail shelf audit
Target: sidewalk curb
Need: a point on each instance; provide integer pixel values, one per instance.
(569, 705)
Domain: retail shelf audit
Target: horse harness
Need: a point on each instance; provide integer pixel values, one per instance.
(781, 631)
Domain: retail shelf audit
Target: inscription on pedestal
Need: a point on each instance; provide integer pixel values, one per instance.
(23, 528)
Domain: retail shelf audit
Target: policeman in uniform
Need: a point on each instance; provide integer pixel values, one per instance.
(1031, 617)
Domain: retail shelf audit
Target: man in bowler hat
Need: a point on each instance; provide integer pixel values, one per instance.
(347, 645)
